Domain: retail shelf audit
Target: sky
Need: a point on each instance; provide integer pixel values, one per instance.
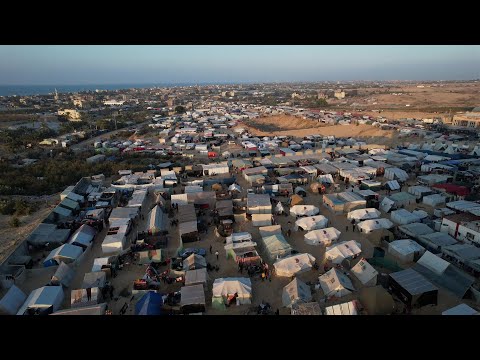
(98, 64)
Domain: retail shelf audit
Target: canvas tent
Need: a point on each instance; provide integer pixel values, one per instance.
(322, 236)
(392, 185)
(157, 220)
(405, 250)
(363, 214)
(296, 292)
(348, 308)
(63, 276)
(376, 300)
(435, 241)
(11, 301)
(223, 287)
(294, 265)
(365, 272)
(45, 300)
(261, 220)
(311, 223)
(335, 283)
(195, 277)
(403, 217)
(276, 246)
(387, 204)
(344, 250)
(368, 226)
(258, 204)
(149, 304)
(94, 279)
(415, 230)
(194, 262)
(83, 237)
(192, 299)
(304, 210)
(48, 233)
(266, 231)
(67, 253)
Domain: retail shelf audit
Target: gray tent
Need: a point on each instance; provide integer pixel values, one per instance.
(63, 276)
(192, 298)
(194, 261)
(12, 301)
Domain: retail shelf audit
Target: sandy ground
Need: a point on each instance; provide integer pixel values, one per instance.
(264, 127)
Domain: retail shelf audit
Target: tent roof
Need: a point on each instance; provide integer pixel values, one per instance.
(364, 271)
(43, 297)
(294, 264)
(94, 279)
(433, 263)
(462, 309)
(348, 308)
(333, 280)
(197, 276)
(266, 231)
(149, 304)
(296, 291)
(12, 300)
(232, 285)
(192, 295)
(413, 282)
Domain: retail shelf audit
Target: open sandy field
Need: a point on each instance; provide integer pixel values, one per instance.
(297, 127)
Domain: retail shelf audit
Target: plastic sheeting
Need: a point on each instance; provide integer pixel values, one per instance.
(322, 236)
(293, 265)
(311, 223)
(304, 210)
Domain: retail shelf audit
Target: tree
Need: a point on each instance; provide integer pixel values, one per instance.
(179, 109)
(14, 222)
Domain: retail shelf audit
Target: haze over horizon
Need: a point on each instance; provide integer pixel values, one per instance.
(152, 64)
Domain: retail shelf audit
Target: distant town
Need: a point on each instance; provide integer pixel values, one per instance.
(328, 198)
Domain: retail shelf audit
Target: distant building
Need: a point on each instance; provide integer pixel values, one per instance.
(171, 102)
(71, 114)
(468, 119)
(113, 103)
(339, 94)
(78, 103)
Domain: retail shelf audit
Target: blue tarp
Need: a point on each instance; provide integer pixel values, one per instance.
(150, 304)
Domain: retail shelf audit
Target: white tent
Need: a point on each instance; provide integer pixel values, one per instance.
(296, 292)
(47, 298)
(433, 263)
(365, 272)
(405, 250)
(304, 210)
(343, 250)
(403, 217)
(223, 287)
(198, 276)
(335, 283)
(393, 185)
(322, 236)
(396, 173)
(311, 223)
(11, 302)
(386, 204)
(364, 214)
(239, 237)
(434, 200)
(326, 179)
(348, 308)
(279, 209)
(67, 253)
(368, 226)
(63, 276)
(293, 265)
(116, 241)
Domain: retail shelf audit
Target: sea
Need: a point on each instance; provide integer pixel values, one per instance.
(28, 90)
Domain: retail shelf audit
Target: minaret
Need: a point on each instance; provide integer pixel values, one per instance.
(56, 95)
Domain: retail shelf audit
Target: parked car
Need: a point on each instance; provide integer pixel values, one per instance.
(189, 251)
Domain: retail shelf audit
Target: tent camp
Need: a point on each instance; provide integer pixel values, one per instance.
(335, 283)
(44, 300)
(413, 288)
(258, 204)
(48, 233)
(224, 287)
(435, 200)
(261, 220)
(344, 250)
(376, 300)
(83, 237)
(415, 230)
(404, 217)
(11, 301)
(195, 277)
(266, 231)
(293, 265)
(194, 262)
(322, 236)
(192, 299)
(348, 308)
(149, 304)
(365, 272)
(276, 246)
(67, 253)
(363, 214)
(368, 226)
(304, 210)
(405, 250)
(387, 204)
(156, 221)
(396, 173)
(296, 292)
(436, 241)
(63, 276)
(311, 223)
(392, 185)
(85, 297)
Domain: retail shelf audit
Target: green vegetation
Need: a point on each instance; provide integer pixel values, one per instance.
(17, 207)
(14, 222)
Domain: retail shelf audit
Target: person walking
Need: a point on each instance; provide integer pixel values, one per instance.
(216, 253)
(346, 228)
(210, 249)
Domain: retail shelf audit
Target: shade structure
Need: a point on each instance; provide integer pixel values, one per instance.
(150, 304)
